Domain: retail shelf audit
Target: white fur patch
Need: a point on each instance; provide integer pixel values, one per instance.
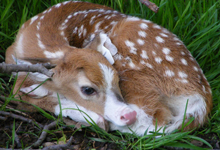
(184, 61)
(130, 44)
(144, 54)
(159, 39)
(142, 34)
(33, 19)
(70, 109)
(158, 60)
(57, 54)
(39, 92)
(169, 73)
(196, 108)
(108, 75)
(19, 45)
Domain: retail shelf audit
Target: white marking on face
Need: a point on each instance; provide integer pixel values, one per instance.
(33, 19)
(159, 39)
(143, 26)
(144, 54)
(169, 58)
(166, 50)
(58, 54)
(158, 60)
(178, 43)
(140, 41)
(163, 35)
(182, 74)
(130, 44)
(156, 26)
(108, 75)
(169, 73)
(184, 61)
(142, 34)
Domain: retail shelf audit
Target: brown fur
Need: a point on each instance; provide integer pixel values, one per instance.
(143, 86)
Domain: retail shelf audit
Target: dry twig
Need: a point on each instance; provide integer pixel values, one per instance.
(44, 133)
(20, 118)
(63, 146)
(150, 5)
(42, 68)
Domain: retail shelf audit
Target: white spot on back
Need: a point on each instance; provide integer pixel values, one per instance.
(131, 46)
(169, 73)
(163, 35)
(158, 60)
(143, 26)
(183, 53)
(144, 54)
(159, 39)
(33, 19)
(156, 26)
(182, 74)
(140, 41)
(166, 50)
(169, 58)
(57, 5)
(195, 68)
(184, 61)
(142, 34)
(131, 18)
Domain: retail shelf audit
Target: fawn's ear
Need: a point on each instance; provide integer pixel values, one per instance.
(37, 76)
(102, 43)
(35, 91)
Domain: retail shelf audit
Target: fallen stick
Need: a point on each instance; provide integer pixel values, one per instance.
(42, 68)
(19, 117)
(44, 133)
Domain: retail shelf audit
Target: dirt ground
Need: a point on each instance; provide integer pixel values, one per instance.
(28, 133)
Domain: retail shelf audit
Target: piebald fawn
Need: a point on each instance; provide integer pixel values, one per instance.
(158, 75)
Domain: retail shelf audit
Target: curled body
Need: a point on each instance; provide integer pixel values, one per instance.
(157, 73)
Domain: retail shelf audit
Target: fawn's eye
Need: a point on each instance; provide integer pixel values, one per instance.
(88, 90)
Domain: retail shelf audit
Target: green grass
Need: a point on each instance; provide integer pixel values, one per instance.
(196, 23)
